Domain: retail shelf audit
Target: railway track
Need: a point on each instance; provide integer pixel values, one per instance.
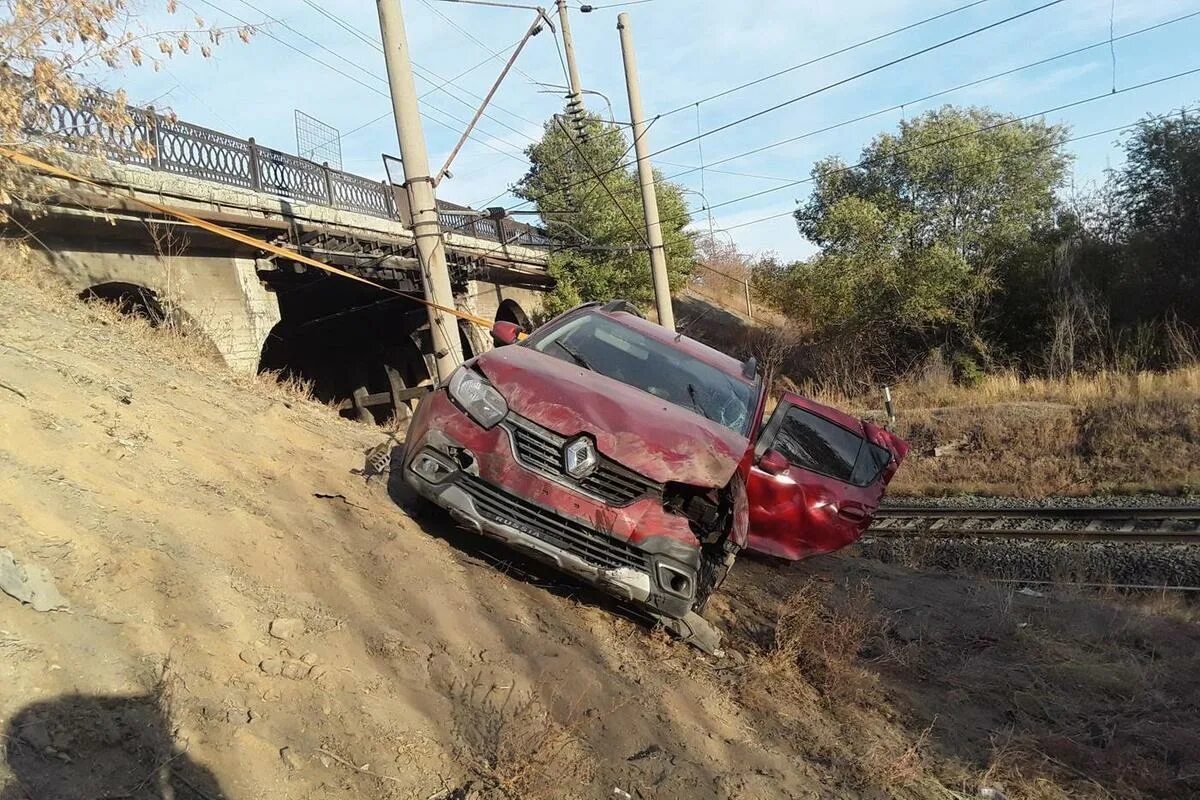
(1157, 524)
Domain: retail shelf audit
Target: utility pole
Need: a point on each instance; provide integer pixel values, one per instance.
(443, 327)
(575, 99)
(658, 257)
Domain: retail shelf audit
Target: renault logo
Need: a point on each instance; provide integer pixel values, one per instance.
(579, 457)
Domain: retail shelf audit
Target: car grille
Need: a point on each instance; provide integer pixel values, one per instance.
(541, 451)
(566, 534)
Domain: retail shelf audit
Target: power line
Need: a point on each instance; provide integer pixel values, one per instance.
(915, 101)
(1092, 135)
(367, 39)
(590, 8)
(846, 80)
(828, 55)
(310, 40)
(600, 179)
(388, 114)
(366, 85)
(346, 26)
(708, 168)
(483, 45)
(968, 84)
(857, 75)
(984, 129)
(864, 162)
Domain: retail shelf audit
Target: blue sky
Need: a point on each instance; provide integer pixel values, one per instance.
(687, 50)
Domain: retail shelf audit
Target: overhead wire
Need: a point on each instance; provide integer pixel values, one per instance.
(422, 96)
(862, 117)
(616, 5)
(848, 79)
(826, 56)
(439, 82)
(600, 180)
(368, 86)
(483, 45)
(940, 93)
(864, 162)
(1183, 109)
(955, 137)
(862, 74)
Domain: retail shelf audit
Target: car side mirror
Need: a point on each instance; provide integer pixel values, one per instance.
(773, 463)
(505, 333)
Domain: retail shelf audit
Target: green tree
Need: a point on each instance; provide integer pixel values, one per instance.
(919, 235)
(1157, 199)
(599, 226)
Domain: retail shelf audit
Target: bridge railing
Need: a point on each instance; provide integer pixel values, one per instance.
(152, 140)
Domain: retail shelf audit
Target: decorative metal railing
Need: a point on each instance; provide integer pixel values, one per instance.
(170, 145)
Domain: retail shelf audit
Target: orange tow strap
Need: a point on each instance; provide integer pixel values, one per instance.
(229, 233)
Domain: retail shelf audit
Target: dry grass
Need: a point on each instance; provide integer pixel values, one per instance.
(22, 266)
(817, 642)
(922, 688)
(934, 389)
(1105, 433)
(516, 748)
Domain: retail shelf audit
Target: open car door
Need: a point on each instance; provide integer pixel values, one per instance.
(817, 477)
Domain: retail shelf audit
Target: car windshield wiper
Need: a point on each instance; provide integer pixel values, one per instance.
(578, 359)
(691, 390)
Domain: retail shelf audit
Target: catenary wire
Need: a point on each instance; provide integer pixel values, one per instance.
(1183, 109)
(422, 96)
(826, 56)
(600, 179)
(862, 74)
(925, 145)
(925, 98)
(483, 45)
(374, 43)
(955, 137)
(843, 81)
(368, 86)
(834, 126)
(376, 76)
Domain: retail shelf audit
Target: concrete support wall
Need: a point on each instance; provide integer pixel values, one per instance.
(484, 299)
(221, 296)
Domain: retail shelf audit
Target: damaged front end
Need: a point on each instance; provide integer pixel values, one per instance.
(610, 527)
(718, 518)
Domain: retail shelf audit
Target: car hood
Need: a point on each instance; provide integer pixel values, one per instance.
(647, 434)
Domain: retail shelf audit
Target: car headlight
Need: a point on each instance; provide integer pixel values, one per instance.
(477, 397)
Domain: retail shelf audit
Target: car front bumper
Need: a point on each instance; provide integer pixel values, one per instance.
(639, 553)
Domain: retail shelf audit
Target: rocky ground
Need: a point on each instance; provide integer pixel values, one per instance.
(213, 600)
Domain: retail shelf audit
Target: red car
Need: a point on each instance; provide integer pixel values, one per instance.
(639, 460)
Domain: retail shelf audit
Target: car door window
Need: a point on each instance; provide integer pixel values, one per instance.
(812, 442)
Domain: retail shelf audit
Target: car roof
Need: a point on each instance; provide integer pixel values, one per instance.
(701, 352)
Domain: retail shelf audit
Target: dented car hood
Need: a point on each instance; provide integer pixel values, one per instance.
(647, 434)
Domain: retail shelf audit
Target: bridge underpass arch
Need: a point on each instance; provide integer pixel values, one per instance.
(130, 299)
(359, 348)
(510, 311)
(142, 302)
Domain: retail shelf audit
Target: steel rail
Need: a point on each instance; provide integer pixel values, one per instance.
(1097, 512)
(1143, 524)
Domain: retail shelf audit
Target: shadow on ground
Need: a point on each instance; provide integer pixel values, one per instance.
(96, 746)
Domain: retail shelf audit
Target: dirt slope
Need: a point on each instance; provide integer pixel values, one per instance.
(187, 515)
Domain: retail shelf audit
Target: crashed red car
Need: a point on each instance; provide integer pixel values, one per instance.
(638, 459)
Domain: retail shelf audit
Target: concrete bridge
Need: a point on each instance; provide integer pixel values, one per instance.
(357, 344)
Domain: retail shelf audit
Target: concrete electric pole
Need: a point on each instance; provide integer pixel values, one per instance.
(575, 99)
(443, 327)
(658, 257)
